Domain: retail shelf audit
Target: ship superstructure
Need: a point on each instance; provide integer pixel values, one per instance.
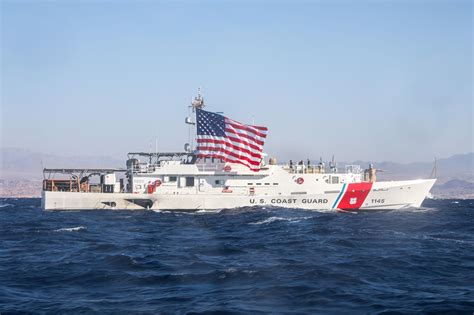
(190, 181)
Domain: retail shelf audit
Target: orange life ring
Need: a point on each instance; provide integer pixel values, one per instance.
(300, 180)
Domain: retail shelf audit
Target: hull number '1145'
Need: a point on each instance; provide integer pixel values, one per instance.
(288, 201)
(378, 200)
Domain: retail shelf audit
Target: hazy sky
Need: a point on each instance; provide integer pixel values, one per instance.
(375, 80)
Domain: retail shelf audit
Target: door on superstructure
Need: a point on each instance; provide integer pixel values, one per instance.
(187, 184)
(201, 184)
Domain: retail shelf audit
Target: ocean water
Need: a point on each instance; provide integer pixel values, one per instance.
(244, 261)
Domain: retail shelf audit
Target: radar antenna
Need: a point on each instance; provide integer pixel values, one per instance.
(333, 165)
(198, 101)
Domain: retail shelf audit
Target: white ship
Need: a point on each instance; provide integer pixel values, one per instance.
(191, 180)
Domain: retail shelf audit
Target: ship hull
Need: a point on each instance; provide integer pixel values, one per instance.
(358, 196)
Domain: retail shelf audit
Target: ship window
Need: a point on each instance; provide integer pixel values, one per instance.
(275, 184)
(173, 179)
(219, 182)
(250, 184)
(189, 181)
(334, 179)
(259, 183)
(267, 183)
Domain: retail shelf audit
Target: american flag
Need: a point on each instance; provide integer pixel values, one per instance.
(224, 138)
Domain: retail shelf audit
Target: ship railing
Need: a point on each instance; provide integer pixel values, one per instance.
(69, 185)
(72, 185)
(304, 169)
(145, 169)
(316, 169)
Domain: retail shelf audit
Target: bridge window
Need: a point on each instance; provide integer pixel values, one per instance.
(173, 179)
(189, 181)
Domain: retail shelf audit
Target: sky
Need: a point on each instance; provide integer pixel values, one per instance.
(363, 80)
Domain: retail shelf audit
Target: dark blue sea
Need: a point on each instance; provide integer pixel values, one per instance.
(245, 261)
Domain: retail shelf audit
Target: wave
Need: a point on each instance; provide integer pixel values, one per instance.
(208, 211)
(413, 210)
(276, 219)
(4, 205)
(77, 228)
(189, 212)
(441, 239)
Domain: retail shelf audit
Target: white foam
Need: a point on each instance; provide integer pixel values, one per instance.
(77, 228)
(448, 240)
(209, 211)
(275, 219)
(6, 205)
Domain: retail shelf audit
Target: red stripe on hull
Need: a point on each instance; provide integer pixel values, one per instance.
(354, 196)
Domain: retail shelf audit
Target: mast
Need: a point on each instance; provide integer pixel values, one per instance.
(196, 103)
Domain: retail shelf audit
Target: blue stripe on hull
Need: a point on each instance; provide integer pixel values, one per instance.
(339, 196)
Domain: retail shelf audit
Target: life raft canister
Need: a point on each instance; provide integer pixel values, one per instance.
(300, 180)
(152, 186)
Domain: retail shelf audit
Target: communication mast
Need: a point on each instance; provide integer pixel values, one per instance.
(196, 103)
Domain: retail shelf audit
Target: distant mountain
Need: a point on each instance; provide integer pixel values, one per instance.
(455, 187)
(459, 166)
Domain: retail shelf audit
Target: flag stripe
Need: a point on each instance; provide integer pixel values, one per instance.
(230, 145)
(234, 141)
(233, 153)
(243, 135)
(212, 150)
(252, 136)
(248, 129)
(246, 143)
(261, 128)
